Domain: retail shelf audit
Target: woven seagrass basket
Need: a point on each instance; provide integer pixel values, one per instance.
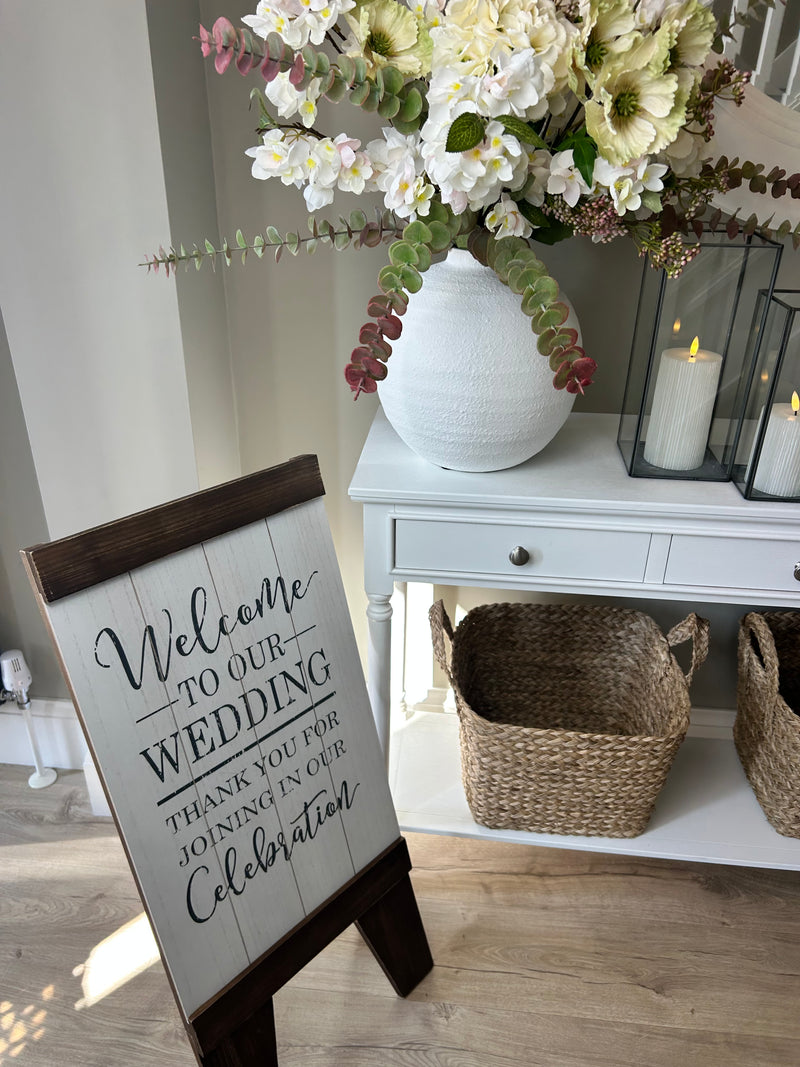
(570, 716)
(767, 727)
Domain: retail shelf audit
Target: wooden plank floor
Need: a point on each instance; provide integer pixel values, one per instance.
(544, 958)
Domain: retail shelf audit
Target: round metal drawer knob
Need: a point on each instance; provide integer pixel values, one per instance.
(519, 556)
(797, 571)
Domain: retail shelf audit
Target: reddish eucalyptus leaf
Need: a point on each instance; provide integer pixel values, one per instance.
(374, 368)
(359, 354)
(223, 60)
(390, 327)
(380, 349)
(224, 33)
(245, 60)
(359, 381)
(270, 68)
(369, 332)
(378, 307)
(205, 41)
(297, 73)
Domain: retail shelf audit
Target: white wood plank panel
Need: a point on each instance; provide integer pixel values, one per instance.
(224, 765)
(348, 742)
(121, 724)
(241, 561)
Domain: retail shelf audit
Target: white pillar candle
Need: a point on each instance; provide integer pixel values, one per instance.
(778, 472)
(683, 403)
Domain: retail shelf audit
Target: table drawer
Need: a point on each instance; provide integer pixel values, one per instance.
(446, 547)
(733, 563)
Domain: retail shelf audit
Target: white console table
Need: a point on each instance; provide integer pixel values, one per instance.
(585, 527)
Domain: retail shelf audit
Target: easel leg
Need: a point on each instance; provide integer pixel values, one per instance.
(393, 929)
(253, 1042)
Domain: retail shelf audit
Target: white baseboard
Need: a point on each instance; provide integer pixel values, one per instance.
(58, 735)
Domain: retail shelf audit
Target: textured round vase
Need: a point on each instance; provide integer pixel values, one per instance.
(467, 387)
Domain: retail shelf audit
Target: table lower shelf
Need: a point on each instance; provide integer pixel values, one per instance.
(706, 811)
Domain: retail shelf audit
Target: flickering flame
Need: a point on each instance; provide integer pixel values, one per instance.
(693, 347)
(795, 403)
(676, 326)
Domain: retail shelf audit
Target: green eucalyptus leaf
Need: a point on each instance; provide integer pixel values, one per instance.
(273, 236)
(440, 236)
(293, 242)
(347, 68)
(411, 278)
(417, 233)
(466, 131)
(358, 220)
(403, 253)
(360, 69)
(335, 87)
(210, 248)
(359, 93)
(240, 239)
(392, 80)
(258, 245)
(373, 98)
(411, 107)
(424, 258)
(389, 279)
(389, 106)
(341, 241)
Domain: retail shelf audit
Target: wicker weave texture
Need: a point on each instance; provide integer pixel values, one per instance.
(767, 727)
(570, 716)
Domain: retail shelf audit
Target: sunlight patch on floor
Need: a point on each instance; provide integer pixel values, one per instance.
(115, 960)
(19, 1027)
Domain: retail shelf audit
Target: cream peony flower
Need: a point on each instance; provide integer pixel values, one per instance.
(386, 33)
(636, 110)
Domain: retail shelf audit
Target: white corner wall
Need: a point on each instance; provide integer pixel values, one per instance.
(95, 342)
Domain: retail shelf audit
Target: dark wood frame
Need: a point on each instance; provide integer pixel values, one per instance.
(237, 1027)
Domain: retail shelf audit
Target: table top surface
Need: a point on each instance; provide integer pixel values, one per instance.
(580, 470)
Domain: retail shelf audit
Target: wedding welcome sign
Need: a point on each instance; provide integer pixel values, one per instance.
(210, 653)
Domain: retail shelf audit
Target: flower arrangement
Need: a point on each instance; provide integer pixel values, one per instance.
(500, 123)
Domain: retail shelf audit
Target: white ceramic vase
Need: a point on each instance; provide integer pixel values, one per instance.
(467, 388)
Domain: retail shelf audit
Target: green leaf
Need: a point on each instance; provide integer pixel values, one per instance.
(361, 69)
(522, 130)
(389, 279)
(389, 106)
(273, 236)
(411, 107)
(392, 80)
(411, 278)
(417, 233)
(373, 98)
(240, 239)
(440, 236)
(322, 64)
(359, 93)
(535, 216)
(210, 248)
(258, 245)
(403, 253)
(293, 242)
(311, 246)
(556, 231)
(336, 89)
(584, 152)
(424, 258)
(466, 131)
(652, 201)
(347, 69)
(341, 241)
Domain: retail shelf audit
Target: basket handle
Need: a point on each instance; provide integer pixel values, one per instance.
(441, 626)
(694, 628)
(758, 647)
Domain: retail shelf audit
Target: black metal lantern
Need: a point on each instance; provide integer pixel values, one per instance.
(766, 446)
(689, 356)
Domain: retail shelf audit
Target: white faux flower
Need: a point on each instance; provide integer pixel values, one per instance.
(297, 21)
(519, 86)
(289, 101)
(625, 185)
(398, 169)
(279, 156)
(506, 219)
(565, 179)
